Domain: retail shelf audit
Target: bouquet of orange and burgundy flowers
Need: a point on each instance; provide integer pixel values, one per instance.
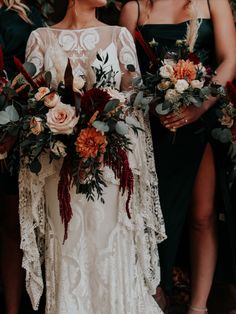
(179, 80)
(87, 128)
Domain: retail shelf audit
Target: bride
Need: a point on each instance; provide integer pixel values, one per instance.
(109, 264)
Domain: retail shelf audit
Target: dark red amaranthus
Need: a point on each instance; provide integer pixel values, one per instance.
(124, 173)
(147, 49)
(64, 194)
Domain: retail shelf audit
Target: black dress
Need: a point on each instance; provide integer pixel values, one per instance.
(14, 33)
(177, 162)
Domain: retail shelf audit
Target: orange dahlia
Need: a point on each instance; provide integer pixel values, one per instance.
(90, 142)
(185, 70)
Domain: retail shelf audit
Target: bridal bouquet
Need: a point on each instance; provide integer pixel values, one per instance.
(179, 80)
(87, 128)
(226, 132)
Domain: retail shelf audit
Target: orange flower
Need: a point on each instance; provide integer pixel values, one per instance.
(90, 142)
(185, 70)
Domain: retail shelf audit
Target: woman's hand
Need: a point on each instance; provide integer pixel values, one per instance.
(8, 143)
(185, 116)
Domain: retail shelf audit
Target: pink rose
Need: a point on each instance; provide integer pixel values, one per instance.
(51, 100)
(62, 119)
(36, 125)
(42, 91)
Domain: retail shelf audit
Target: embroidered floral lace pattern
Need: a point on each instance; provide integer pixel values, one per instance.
(109, 264)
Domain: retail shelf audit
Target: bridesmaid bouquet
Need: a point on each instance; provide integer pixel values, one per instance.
(179, 80)
(226, 132)
(87, 128)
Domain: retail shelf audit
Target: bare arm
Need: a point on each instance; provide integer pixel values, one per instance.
(129, 16)
(225, 40)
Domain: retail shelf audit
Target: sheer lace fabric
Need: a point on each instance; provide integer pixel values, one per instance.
(109, 264)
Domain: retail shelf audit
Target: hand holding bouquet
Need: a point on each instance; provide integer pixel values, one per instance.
(178, 87)
(179, 83)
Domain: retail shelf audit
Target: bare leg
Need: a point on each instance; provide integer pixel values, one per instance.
(11, 256)
(203, 233)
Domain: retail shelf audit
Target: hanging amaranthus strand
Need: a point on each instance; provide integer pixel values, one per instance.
(147, 49)
(124, 173)
(64, 194)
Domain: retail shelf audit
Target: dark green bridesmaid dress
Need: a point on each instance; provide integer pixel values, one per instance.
(177, 162)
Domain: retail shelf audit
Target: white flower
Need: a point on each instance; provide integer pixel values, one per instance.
(197, 84)
(42, 91)
(51, 100)
(62, 119)
(172, 95)
(115, 94)
(166, 71)
(59, 149)
(170, 62)
(181, 86)
(200, 67)
(36, 125)
(78, 84)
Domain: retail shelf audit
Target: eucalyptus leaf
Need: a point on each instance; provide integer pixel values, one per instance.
(138, 99)
(222, 135)
(101, 126)
(162, 111)
(4, 117)
(12, 113)
(132, 121)
(111, 104)
(137, 81)
(30, 68)
(122, 128)
(194, 101)
(146, 100)
(205, 91)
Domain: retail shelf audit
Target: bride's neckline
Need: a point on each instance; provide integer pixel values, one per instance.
(77, 29)
(173, 24)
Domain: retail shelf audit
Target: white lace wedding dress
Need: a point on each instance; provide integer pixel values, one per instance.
(109, 264)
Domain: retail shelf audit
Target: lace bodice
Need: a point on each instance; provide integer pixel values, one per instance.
(50, 48)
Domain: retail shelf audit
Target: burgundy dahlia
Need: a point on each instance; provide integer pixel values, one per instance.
(94, 100)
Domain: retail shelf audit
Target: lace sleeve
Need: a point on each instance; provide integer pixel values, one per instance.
(146, 196)
(35, 50)
(127, 57)
(32, 204)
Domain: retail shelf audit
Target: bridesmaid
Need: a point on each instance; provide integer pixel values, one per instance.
(17, 20)
(187, 169)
